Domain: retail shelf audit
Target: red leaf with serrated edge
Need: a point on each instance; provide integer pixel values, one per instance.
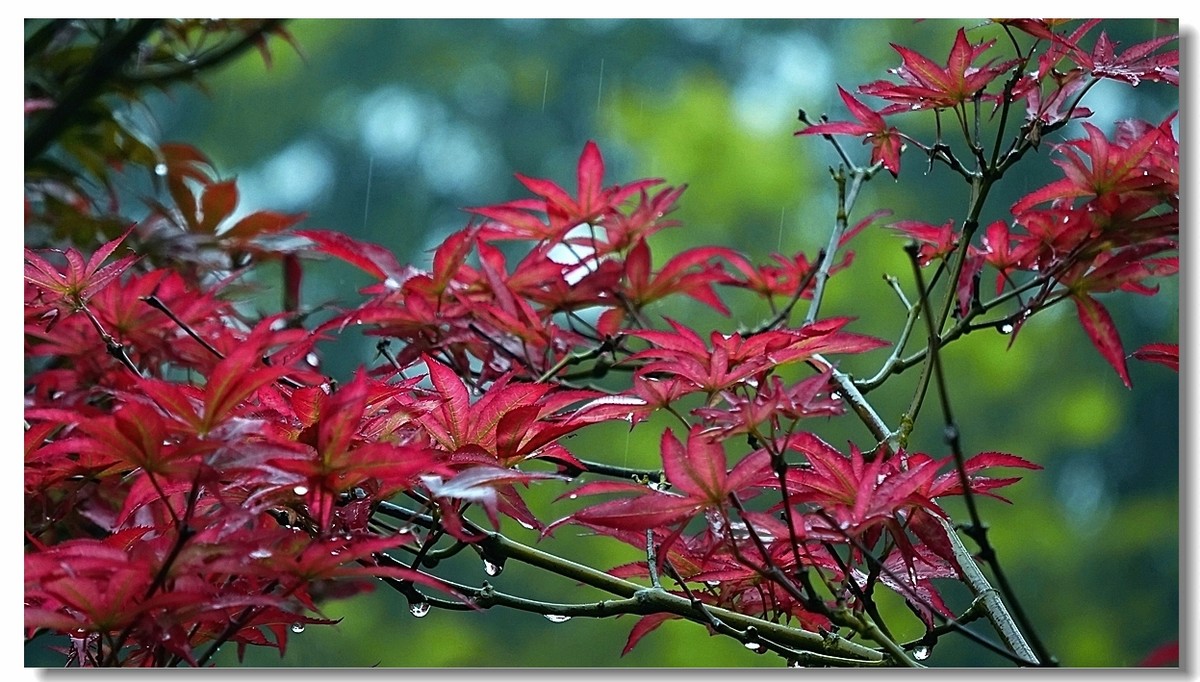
(650, 510)
(1135, 64)
(372, 258)
(262, 222)
(929, 86)
(217, 201)
(949, 483)
(514, 220)
(482, 485)
(700, 469)
(233, 380)
(885, 140)
(448, 422)
(1102, 331)
(341, 417)
(81, 280)
(1114, 169)
(644, 626)
(590, 176)
(1163, 353)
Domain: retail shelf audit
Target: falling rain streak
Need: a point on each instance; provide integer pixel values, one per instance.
(600, 87)
(545, 89)
(367, 201)
(779, 246)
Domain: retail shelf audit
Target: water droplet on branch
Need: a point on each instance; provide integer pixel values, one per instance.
(297, 628)
(419, 609)
(921, 653)
(557, 618)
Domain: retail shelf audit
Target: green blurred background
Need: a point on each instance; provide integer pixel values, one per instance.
(385, 129)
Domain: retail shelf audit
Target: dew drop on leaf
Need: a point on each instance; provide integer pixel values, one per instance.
(557, 618)
(753, 646)
(297, 628)
(921, 653)
(160, 170)
(1004, 328)
(419, 609)
(493, 569)
(260, 554)
(300, 490)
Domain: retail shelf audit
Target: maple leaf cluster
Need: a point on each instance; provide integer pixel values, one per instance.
(1112, 220)
(193, 478)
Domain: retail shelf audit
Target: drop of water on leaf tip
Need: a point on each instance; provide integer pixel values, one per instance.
(419, 609)
(921, 653)
(1005, 328)
(297, 628)
(492, 569)
(557, 618)
(160, 169)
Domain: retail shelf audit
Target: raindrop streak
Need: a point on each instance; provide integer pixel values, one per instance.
(419, 609)
(492, 569)
(297, 628)
(921, 653)
(545, 89)
(600, 87)
(557, 618)
(625, 457)
(367, 201)
(779, 246)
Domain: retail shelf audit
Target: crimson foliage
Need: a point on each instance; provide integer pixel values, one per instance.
(201, 481)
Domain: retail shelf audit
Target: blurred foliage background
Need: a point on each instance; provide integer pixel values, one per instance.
(386, 129)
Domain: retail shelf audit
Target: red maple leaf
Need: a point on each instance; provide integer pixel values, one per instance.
(1113, 169)
(885, 141)
(734, 358)
(1166, 354)
(936, 242)
(593, 200)
(71, 288)
(692, 272)
(929, 86)
(698, 471)
(1136, 64)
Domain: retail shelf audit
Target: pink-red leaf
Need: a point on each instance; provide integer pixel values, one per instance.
(1103, 332)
